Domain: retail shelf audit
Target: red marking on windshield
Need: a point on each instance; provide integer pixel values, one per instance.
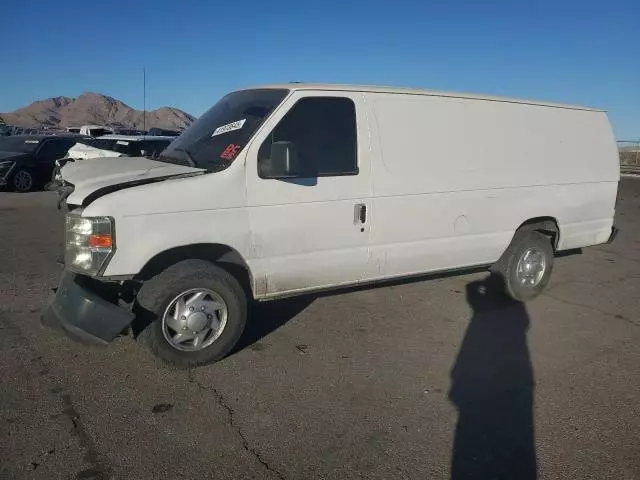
(230, 152)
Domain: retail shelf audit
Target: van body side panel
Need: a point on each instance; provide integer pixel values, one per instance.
(304, 231)
(207, 208)
(454, 178)
(446, 181)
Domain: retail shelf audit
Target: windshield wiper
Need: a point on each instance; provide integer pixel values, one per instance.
(192, 162)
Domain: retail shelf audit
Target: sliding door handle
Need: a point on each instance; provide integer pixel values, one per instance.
(361, 214)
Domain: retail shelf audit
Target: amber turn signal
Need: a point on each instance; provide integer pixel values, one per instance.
(100, 241)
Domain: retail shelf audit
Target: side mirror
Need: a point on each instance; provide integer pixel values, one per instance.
(282, 162)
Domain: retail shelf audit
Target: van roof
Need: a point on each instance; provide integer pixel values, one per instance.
(416, 91)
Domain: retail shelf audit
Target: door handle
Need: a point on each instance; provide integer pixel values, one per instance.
(361, 214)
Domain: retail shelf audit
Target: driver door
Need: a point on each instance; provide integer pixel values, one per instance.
(311, 230)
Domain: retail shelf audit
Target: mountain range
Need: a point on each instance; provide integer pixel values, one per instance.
(97, 109)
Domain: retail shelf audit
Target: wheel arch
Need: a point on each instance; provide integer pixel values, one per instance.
(222, 255)
(546, 225)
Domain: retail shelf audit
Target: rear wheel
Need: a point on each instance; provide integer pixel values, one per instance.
(197, 310)
(525, 267)
(22, 181)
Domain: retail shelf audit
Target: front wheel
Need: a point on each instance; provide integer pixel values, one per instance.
(525, 267)
(198, 313)
(22, 181)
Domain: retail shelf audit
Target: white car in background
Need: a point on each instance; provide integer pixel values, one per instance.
(119, 146)
(112, 146)
(91, 130)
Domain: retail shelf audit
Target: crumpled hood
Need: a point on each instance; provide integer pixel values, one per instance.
(82, 151)
(96, 174)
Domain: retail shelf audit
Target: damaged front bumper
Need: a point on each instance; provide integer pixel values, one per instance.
(86, 311)
(58, 185)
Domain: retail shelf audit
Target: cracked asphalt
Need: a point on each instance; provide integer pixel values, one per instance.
(427, 380)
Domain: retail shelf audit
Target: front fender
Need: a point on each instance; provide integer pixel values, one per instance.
(140, 239)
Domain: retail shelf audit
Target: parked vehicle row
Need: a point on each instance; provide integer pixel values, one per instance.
(29, 162)
(100, 130)
(26, 161)
(8, 130)
(88, 130)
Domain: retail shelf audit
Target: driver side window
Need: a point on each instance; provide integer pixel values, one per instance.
(322, 130)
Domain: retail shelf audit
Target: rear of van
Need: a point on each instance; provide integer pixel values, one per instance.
(466, 173)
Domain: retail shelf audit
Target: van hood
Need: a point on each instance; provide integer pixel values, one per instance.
(94, 177)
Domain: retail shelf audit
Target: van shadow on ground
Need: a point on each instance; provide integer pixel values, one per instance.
(266, 317)
(492, 387)
(492, 383)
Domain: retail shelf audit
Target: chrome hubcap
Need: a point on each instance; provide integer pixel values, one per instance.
(194, 319)
(531, 267)
(22, 181)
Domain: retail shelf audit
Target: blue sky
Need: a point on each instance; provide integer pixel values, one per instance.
(575, 51)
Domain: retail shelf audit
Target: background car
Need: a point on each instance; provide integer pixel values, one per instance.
(110, 146)
(27, 161)
(119, 145)
(95, 130)
(163, 132)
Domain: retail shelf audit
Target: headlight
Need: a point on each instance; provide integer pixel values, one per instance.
(89, 242)
(5, 167)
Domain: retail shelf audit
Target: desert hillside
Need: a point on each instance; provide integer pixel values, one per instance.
(93, 108)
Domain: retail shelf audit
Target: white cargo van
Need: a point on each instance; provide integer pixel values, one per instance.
(295, 188)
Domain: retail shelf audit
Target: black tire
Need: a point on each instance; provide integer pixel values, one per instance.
(507, 267)
(22, 181)
(156, 294)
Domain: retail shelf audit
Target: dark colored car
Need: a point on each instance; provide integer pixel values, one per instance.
(163, 132)
(27, 161)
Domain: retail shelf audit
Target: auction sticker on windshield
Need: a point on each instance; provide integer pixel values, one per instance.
(229, 127)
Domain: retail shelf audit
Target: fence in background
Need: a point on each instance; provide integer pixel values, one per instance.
(629, 156)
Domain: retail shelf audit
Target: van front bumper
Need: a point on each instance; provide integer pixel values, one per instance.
(84, 313)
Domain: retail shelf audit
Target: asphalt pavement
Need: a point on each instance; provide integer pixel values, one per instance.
(424, 380)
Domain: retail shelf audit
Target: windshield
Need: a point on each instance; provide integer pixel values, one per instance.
(218, 136)
(18, 144)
